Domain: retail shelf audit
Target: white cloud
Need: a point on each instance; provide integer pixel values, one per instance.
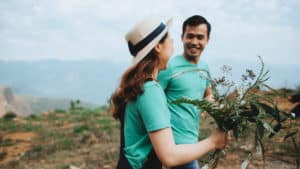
(94, 29)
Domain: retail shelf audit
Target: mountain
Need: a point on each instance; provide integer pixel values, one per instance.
(43, 104)
(94, 80)
(91, 81)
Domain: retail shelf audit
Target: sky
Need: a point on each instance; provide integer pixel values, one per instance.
(95, 29)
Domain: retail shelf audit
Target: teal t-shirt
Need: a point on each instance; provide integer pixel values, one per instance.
(184, 79)
(148, 113)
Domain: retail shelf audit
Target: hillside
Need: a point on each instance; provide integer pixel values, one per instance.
(42, 104)
(85, 138)
(88, 80)
(9, 102)
(94, 80)
(26, 105)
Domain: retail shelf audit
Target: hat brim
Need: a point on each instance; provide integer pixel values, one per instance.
(141, 54)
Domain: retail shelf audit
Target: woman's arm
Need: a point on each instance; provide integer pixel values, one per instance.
(208, 95)
(171, 154)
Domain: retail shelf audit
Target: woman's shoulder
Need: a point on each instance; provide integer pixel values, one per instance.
(151, 85)
(152, 89)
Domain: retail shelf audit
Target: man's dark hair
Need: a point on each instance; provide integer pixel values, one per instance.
(195, 21)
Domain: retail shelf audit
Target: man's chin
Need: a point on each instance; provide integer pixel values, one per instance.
(192, 57)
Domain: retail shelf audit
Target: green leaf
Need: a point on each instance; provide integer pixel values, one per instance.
(260, 129)
(251, 119)
(259, 149)
(268, 127)
(290, 135)
(246, 162)
(236, 131)
(276, 128)
(274, 112)
(249, 113)
(254, 109)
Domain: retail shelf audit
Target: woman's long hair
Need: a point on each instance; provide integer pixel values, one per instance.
(132, 82)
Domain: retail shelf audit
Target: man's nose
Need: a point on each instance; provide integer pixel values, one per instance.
(195, 41)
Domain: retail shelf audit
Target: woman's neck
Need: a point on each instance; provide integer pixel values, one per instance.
(155, 73)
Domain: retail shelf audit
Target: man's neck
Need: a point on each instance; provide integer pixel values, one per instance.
(194, 61)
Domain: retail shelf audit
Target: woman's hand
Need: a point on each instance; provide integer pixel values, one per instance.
(219, 138)
(210, 98)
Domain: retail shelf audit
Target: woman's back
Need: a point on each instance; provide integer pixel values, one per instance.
(148, 113)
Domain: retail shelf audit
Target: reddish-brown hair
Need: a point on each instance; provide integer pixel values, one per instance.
(132, 81)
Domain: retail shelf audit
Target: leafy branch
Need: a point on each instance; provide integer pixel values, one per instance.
(242, 108)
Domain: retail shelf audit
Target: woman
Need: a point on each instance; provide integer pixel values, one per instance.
(140, 104)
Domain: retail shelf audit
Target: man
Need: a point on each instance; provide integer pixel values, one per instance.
(186, 76)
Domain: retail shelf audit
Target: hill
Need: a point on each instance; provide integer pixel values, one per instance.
(94, 80)
(9, 102)
(87, 80)
(43, 104)
(86, 138)
(26, 105)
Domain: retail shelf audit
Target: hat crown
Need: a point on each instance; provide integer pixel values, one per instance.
(142, 29)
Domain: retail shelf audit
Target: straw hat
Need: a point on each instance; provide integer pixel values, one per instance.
(143, 37)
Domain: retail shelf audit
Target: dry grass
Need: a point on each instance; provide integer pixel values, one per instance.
(89, 139)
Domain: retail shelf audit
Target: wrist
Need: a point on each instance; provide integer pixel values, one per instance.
(211, 143)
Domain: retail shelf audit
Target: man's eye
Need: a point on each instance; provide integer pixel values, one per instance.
(190, 36)
(200, 37)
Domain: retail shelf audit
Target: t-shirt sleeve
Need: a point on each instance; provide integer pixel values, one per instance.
(163, 77)
(153, 108)
(208, 83)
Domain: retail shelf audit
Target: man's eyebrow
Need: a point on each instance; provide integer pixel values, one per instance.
(196, 34)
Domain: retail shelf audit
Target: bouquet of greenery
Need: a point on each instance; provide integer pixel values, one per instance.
(237, 108)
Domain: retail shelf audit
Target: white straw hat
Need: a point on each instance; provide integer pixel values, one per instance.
(143, 37)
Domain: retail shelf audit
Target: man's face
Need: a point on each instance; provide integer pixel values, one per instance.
(194, 40)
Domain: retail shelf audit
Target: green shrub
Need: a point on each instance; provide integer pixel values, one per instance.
(32, 116)
(80, 129)
(3, 155)
(6, 143)
(9, 115)
(65, 166)
(60, 111)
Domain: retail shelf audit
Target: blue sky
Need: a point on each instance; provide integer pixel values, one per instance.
(95, 29)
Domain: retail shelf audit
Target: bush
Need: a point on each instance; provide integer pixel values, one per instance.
(9, 115)
(32, 117)
(3, 155)
(60, 111)
(298, 88)
(6, 143)
(80, 129)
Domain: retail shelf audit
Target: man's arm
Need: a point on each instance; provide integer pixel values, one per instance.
(163, 77)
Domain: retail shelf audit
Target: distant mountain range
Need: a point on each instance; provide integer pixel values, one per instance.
(94, 81)
(26, 105)
(91, 81)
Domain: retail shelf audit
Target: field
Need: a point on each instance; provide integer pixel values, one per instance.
(89, 139)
